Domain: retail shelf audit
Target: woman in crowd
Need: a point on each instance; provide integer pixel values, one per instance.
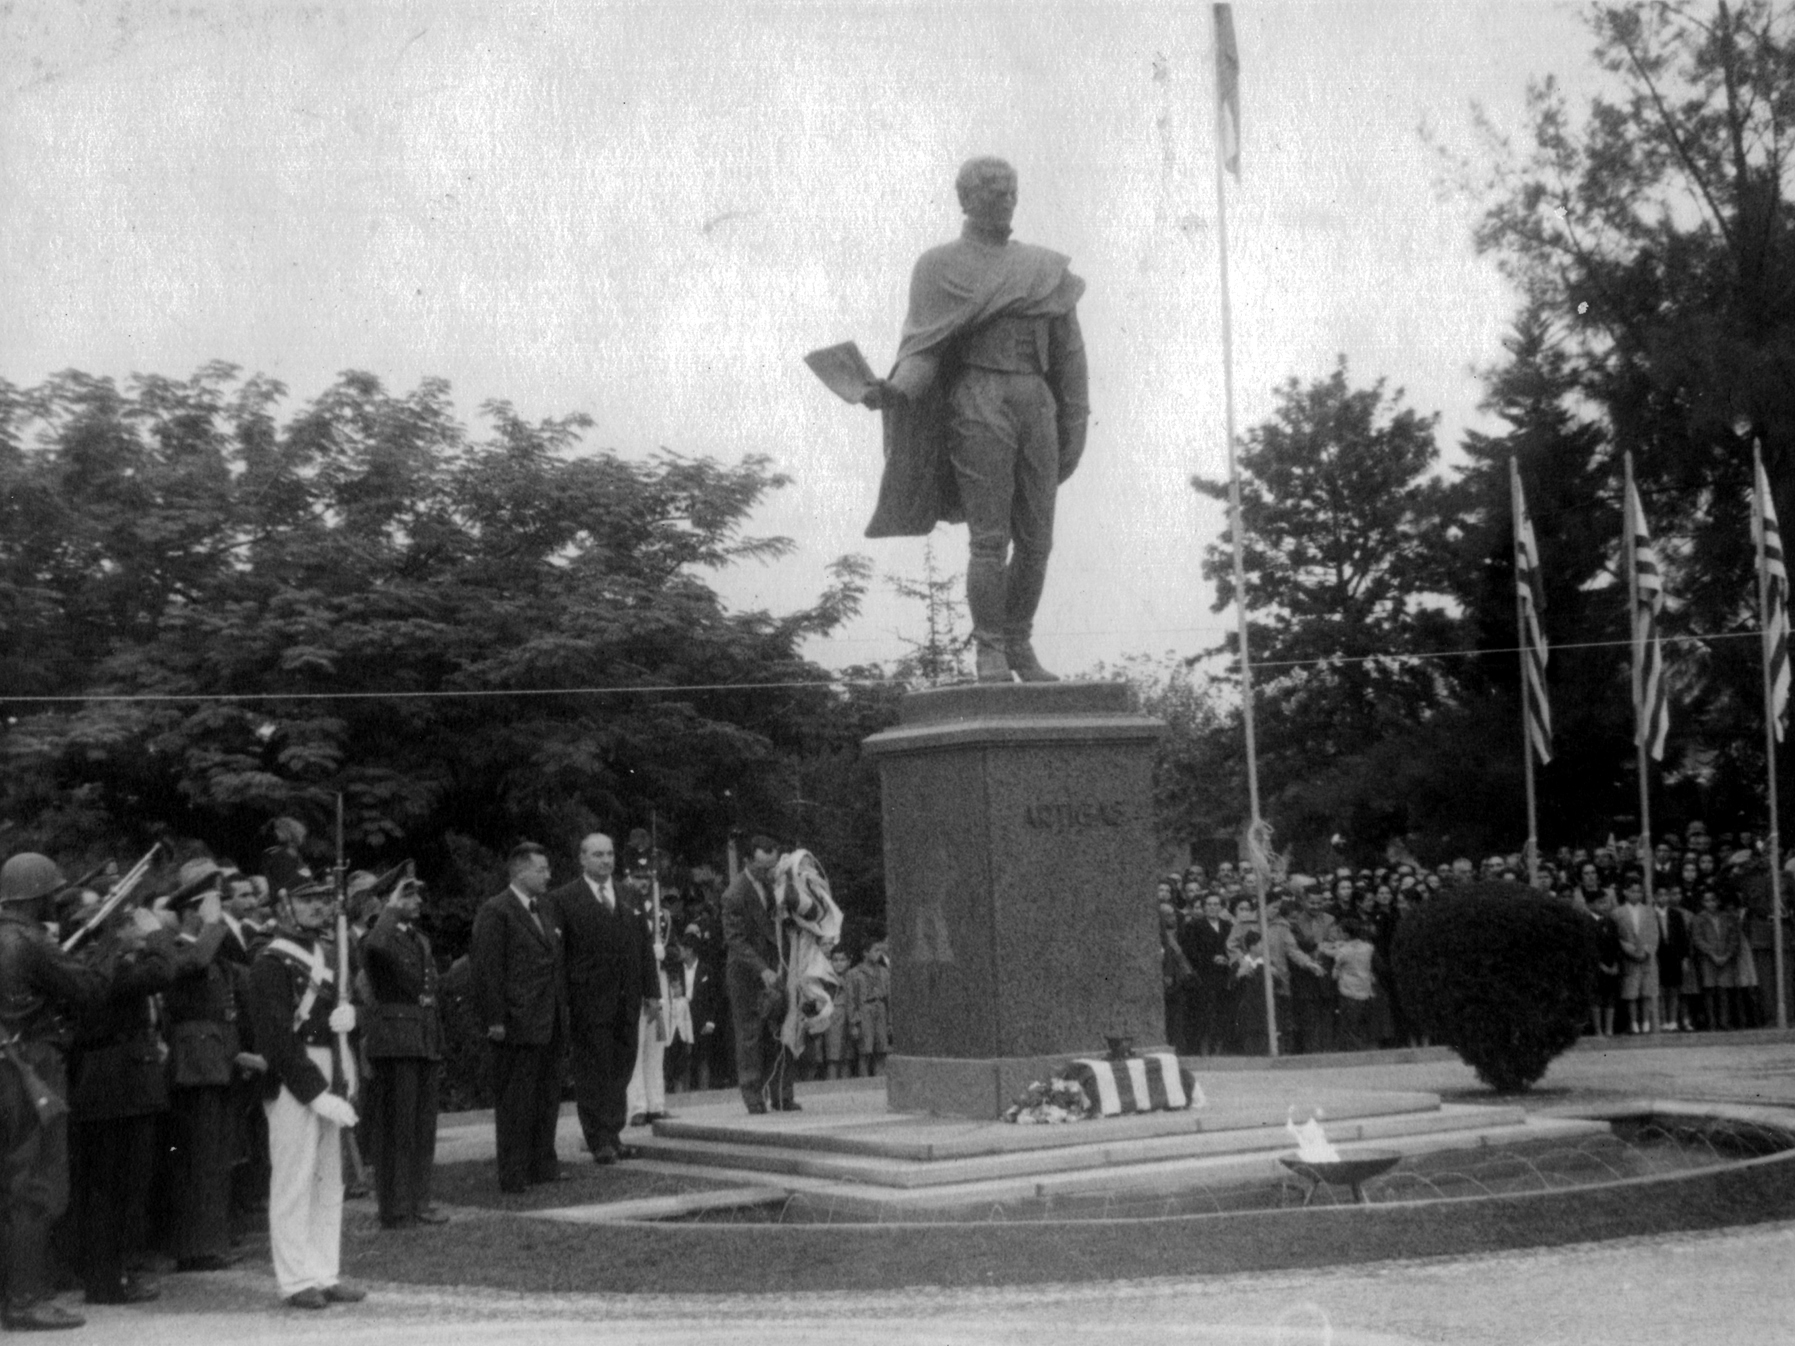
(1715, 937)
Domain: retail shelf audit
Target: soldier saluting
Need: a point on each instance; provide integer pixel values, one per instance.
(39, 984)
(298, 1013)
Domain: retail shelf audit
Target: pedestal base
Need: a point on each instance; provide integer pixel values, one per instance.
(947, 1086)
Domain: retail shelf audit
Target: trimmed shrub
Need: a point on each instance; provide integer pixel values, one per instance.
(1501, 974)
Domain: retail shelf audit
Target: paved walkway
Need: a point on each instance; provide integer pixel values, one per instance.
(1735, 1286)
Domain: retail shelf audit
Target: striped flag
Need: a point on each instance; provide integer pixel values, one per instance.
(1776, 602)
(1651, 698)
(1227, 87)
(1532, 594)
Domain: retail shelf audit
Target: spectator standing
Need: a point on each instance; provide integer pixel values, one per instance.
(1352, 975)
(1673, 950)
(1715, 937)
(694, 996)
(836, 1041)
(869, 1009)
(1608, 962)
(1204, 941)
(1638, 927)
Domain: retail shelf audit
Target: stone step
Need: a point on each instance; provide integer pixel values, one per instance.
(802, 1156)
(1131, 1185)
(1232, 1109)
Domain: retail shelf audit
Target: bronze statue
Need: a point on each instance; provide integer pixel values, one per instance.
(985, 411)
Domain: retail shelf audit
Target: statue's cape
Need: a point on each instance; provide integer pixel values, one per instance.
(955, 289)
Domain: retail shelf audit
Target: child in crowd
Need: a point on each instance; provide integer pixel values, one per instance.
(834, 1043)
(869, 1018)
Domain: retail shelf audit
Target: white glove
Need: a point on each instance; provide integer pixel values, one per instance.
(342, 1019)
(334, 1110)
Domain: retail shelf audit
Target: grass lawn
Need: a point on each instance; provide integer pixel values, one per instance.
(515, 1252)
(585, 1184)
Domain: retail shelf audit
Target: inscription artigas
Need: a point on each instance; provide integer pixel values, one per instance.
(1080, 816)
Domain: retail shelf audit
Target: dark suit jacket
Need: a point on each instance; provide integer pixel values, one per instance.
(708, 1001)
(749, 930)
(518, 973)
(610, 955)
(1201, 945)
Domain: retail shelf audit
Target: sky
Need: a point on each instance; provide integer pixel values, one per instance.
(649, 212)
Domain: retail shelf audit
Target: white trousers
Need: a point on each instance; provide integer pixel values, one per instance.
(648, 1085)
(305, 1197)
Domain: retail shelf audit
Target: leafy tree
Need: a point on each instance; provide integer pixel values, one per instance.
(461, 634)
(1349, 558)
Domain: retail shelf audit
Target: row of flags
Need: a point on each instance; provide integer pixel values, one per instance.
(1645, 583)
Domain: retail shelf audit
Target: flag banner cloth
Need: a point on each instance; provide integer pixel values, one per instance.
(1776, 603)
(1227, 86)
(1151, 1082)
(1651, 698)
(1532, 593)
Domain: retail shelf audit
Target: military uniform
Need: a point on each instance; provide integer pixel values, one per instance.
(203, 1007)
(403, 1037)
(118, 1087)
(292, 991)
(38, 984)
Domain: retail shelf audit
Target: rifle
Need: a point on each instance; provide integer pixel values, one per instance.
(660, 948)
(346, 1079)
(114, 899)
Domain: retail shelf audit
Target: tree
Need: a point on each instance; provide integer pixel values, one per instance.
(1348, 560)
(465, 636)
(939, 658)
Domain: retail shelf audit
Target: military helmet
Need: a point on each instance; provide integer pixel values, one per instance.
(28, 876)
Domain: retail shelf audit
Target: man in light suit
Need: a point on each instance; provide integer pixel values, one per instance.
(610, 974)
(1639, 936)
(516, 959)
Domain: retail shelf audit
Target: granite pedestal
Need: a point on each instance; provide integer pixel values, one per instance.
(1019, 870)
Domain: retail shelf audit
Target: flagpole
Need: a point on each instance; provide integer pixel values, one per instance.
(1514, 481)
(1639, 708)
(1238, 533)
(1773, 843)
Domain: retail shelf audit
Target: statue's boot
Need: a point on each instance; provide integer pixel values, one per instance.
(1024, 664)
(992, 666)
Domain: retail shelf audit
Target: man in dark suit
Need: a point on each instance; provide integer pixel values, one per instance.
(610, 973)
(403, 1037)
(1204, 939)
(516, 958)
(752, 975)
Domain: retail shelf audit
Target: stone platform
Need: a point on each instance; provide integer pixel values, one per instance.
(870, 1163)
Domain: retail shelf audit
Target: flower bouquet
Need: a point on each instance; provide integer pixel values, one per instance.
(1045, 1104)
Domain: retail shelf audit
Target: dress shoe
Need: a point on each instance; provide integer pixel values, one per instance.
(357, 1191)
(756, 1109)
(640, 1119)
(431, 1215)
(310, 1298)
(605, 1154)
(628, 1152)
(42, 1316)
(992, 666)
(787, 1105)
(1021, 655)
(344, 1293)
(206, 1262)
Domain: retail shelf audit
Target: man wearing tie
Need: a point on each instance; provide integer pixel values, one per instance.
(516, 959)
(611, 974)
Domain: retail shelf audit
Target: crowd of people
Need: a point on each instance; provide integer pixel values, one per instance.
(1694, 957)
(246, 1047)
